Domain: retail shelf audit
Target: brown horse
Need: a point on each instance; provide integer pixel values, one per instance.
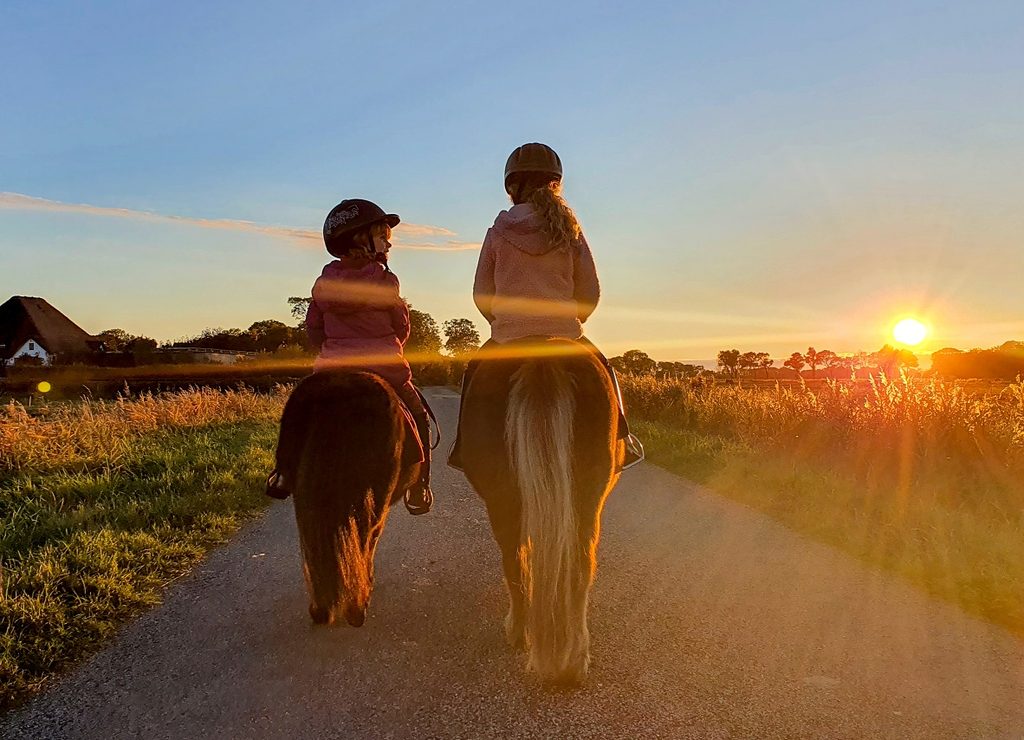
(540, 445)
(347, 453)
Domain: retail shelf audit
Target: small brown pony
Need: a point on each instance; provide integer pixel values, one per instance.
(347, 453)
(540, 445)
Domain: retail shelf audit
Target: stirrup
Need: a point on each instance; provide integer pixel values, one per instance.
(634, 452)
(417, 509)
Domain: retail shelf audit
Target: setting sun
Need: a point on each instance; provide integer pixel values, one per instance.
(909, 332)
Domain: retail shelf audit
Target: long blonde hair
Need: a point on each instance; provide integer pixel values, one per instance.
(559, 222)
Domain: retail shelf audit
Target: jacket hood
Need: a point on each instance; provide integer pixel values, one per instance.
(521, 227)
(365, 268)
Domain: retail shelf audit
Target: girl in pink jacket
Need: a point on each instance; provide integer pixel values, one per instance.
(360, 322)
(536, 276)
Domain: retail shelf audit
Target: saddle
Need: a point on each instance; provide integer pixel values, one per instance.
(513, 352)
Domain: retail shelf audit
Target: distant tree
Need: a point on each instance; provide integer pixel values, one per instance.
(796, 362)
(677, 370)
(270, 335)
(636, 362)
(729, 361)
(116, 340)
(1005, 361)
(235, 340)
(811, 357)
(298, 307)
(889, 359)
(827, 358)
(424, 336)
(764, 361)
(119, 340)
(142, 345)
(747, 361)
(950, 362)
(461, 337)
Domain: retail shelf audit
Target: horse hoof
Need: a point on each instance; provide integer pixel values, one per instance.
(570, 678)
(355, 616)
(319, 615)
(565, 677)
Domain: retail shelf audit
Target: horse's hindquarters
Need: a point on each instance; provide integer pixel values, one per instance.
(341, 442)
(544, 482)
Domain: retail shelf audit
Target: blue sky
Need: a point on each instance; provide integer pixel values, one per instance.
(760, 177)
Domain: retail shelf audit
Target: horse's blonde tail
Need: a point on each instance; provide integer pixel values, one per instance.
(539, 439)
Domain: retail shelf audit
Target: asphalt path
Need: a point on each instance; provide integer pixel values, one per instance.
(707, 620)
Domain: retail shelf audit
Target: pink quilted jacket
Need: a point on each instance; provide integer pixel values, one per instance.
(526, 287)
(359, 320)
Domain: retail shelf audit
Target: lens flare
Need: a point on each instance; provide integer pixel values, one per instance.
(909, 332)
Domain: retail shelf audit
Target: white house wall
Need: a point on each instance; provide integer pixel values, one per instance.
(31, 348)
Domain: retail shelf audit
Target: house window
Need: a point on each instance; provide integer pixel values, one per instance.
(31, 345)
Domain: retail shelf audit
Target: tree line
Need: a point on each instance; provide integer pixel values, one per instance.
(432, 345)
(1004, 362)
(426, 342)
(887, 359)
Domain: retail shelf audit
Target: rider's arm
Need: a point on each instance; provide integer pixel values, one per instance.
(587, 289)
(400, 321)
(315, 325)
(483, 284)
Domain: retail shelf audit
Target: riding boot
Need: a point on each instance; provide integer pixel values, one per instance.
(634, 449)
(455, 453)
(419, 497)
(275, 486)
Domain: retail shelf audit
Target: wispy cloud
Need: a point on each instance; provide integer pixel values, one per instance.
(427, 237)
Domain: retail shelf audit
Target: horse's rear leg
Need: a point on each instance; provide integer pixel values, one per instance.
(515, 624)
(578, 664)
(505, 525)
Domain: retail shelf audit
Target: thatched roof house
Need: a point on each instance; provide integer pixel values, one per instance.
(31, 327)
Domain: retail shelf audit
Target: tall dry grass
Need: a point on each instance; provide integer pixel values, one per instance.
(103, 431)
(931, 421)
(920, 477)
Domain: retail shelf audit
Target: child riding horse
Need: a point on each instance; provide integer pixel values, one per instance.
(543, 435)
(358, 321)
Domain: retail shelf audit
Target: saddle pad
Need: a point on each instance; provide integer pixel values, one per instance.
(412, 450)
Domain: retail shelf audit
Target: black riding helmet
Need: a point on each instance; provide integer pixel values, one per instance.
(349, 217)
(533, 158)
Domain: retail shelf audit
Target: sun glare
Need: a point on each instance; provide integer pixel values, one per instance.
(909, 332)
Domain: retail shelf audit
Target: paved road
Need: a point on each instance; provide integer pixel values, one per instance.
(708, 620)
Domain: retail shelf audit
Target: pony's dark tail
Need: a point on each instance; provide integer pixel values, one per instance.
(539, 438)
(335, 564)
(336, 441)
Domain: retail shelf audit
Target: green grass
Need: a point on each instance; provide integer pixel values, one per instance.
(914, 482)
(88, 544)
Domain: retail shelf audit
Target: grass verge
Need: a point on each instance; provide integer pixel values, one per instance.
(958, 536)
(91, 536)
